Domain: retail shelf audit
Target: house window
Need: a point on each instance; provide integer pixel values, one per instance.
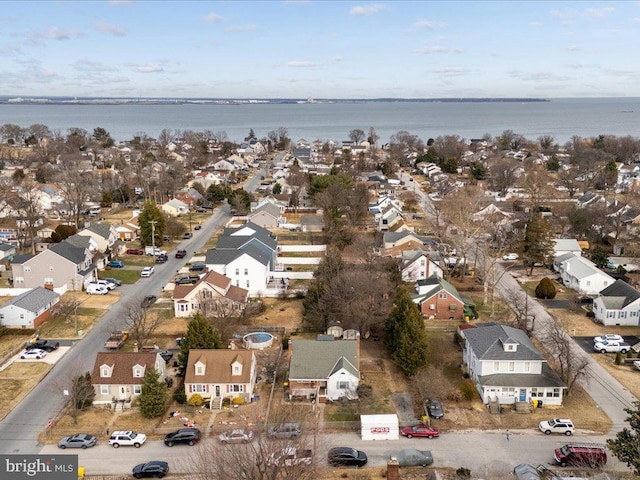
(442, 295)
(527, 366)
(104, 389)
(453, 307)
(588, 283)
(27, 269)
(556, 392)
(22, 316)
(48, 280)
(237, 283)
(237, 271)
(137, 389)
(623, 315)
(512, 366)
(343, 385)
(105, 372)
(633, 314)
(534, 392)
(236, 388)
(496, 366)
(137, 372)
(199, 388)
(1, 316)
(246, 271)
(51, 268)
(248, 283)
(199, 370)
(18, 280)
(183, 307)
(236, 370)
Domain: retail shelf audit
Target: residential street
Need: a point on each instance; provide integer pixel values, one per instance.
(19, 430)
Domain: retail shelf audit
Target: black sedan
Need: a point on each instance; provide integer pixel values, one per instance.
(187, 436)
(155, 468)
(46, 345)
(434, 408)
(346, 456)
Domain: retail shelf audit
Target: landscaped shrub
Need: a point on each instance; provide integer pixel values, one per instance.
(546, 289)
(591, 314)
(238, 401)
(629, 354)
(180, 396)
(618, 358)
(463, 473)
(468, 390)
(196, 400)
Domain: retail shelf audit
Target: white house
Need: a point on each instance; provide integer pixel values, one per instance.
(324, 369)
(566, 245)
(506, 367)
(214, 292)
(175, 207)
(29, 309)
(581, 274)
(618, 304)
(418, 265)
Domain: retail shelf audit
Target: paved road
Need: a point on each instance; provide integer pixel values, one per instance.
(20, 428)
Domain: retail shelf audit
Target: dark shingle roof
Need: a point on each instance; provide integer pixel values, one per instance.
(548, 378)
(69, 251)
(34, 300)
(619, 294)
(487, 343)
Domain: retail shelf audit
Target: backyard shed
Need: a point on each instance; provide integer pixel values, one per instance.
(379, 427)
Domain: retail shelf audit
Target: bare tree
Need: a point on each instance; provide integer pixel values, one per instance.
(525, 318)
(76, 186)
(77, 390)
(503, 175)
(27, 204)
(141, 323)
(66, 306)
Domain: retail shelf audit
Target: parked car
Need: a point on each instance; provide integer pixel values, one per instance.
(40, 344)
(611, 347)
(198, 267)
(104, 283)
(197, 227)
(95, 289)
(115, 281)
(557, 425)
(35, 354)
(609, 337)
(127, 438)
(346, 456)
(412, 457)
(134, 251)
(188, 436)
(201, 210)
(181, 253)
(146, 272)
(187, 235)
(148, 300)
(79, 440)
(165, 354)
(420, 430)
(115, 264)
(155, 468)
(236, 436)
(510, 256)
(186, 279)
(162, 259)
(434, 408)
(580, 455)
(284, 430)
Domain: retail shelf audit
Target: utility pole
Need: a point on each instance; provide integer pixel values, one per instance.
(153, 238)
(75, 305)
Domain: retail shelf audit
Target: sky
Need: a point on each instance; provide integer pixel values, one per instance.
(320, 49)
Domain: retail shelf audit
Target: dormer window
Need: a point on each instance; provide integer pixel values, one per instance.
(509, 345)
(138, 371)
(199, 368)
(105, 372)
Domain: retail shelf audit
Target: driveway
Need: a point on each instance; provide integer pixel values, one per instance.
(586, 343)
(403, 403)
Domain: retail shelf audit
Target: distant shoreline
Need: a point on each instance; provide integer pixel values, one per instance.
(241, 101)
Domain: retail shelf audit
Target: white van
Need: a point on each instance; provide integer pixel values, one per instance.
(96, 289)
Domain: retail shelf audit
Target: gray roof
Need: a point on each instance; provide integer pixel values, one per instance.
(6, 247)
(618, 295)
(269, 208)
(217, 256)
(82, 241)
(314, 360)
(566, 244)
(393, 237)
(311, 220)
(67, 250)
(565, 256)
(34, 300)
(103, 229)
(548, 378)
(260, 233)
(487, 343)
(18, 259)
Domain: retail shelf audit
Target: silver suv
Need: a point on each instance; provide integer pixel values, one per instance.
(284, 430)
(557, 425)
(127, 437)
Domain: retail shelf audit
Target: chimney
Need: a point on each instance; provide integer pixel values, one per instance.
(427, 272)
(393, 469)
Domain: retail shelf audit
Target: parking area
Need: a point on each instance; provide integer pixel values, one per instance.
(51, 358)
(586, 343)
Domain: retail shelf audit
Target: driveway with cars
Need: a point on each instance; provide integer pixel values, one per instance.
(586, 343)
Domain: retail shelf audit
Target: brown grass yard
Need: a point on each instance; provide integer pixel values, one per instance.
(17, 380)
(11, 343)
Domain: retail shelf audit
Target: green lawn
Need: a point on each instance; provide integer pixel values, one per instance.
(126, 276)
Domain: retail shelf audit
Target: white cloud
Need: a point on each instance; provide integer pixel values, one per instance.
(598, 12)
(213, 17)
(366, 10)
(301, 64)
(573, 48)
(438, 49)
(636, 20)
(149, 68)
(110, 29)
(240, 29)
(429, 24)
(54, 33)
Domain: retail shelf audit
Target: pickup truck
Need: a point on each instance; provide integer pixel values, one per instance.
(290, 457)
(116, 340)
(46, 345)
(609, 346)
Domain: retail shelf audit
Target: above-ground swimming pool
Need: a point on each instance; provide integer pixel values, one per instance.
(257, 340)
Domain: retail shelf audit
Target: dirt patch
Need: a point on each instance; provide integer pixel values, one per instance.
(627, 375)
(11, 343)
(17, 380)
(280, 313)
(98, 301)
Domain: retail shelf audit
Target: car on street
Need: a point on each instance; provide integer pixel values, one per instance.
(134, 251)
(127, 438)
(115, 281)
(186, 436)
(35, 354)
(146, 272)
(346, 457)
(148, 300)
(115, 264)
(186, 279)
(197, 227)
(412, 457)
(420, 430)
(95, 289)
(433, 408)
(162, 259)
(181, 253)
(41, 344)
(79, 440)
(611, 347)
(557, 425)
(284, 430)
(510, 256)
(155, 469)
(187, 235)
(609, 337)
(236, 436)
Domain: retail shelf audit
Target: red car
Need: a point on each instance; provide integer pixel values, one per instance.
(420, 430)
(134, 251)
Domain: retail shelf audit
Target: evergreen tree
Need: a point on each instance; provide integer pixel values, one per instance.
(546, 289)
(154, 395)
(406, 336)
(626, 445)
(200, 334)
(151, 213)
(537, 244)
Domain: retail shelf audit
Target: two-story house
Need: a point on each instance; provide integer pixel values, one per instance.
(581, 274)
(618, 304)
(118, 376)
(29, 309)
(324, 369)
(219, 374)
(104, 234)
(418, 265)
(267, 215)
(437, 298)
(212, 293)
(62, 265)
(506, 367)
